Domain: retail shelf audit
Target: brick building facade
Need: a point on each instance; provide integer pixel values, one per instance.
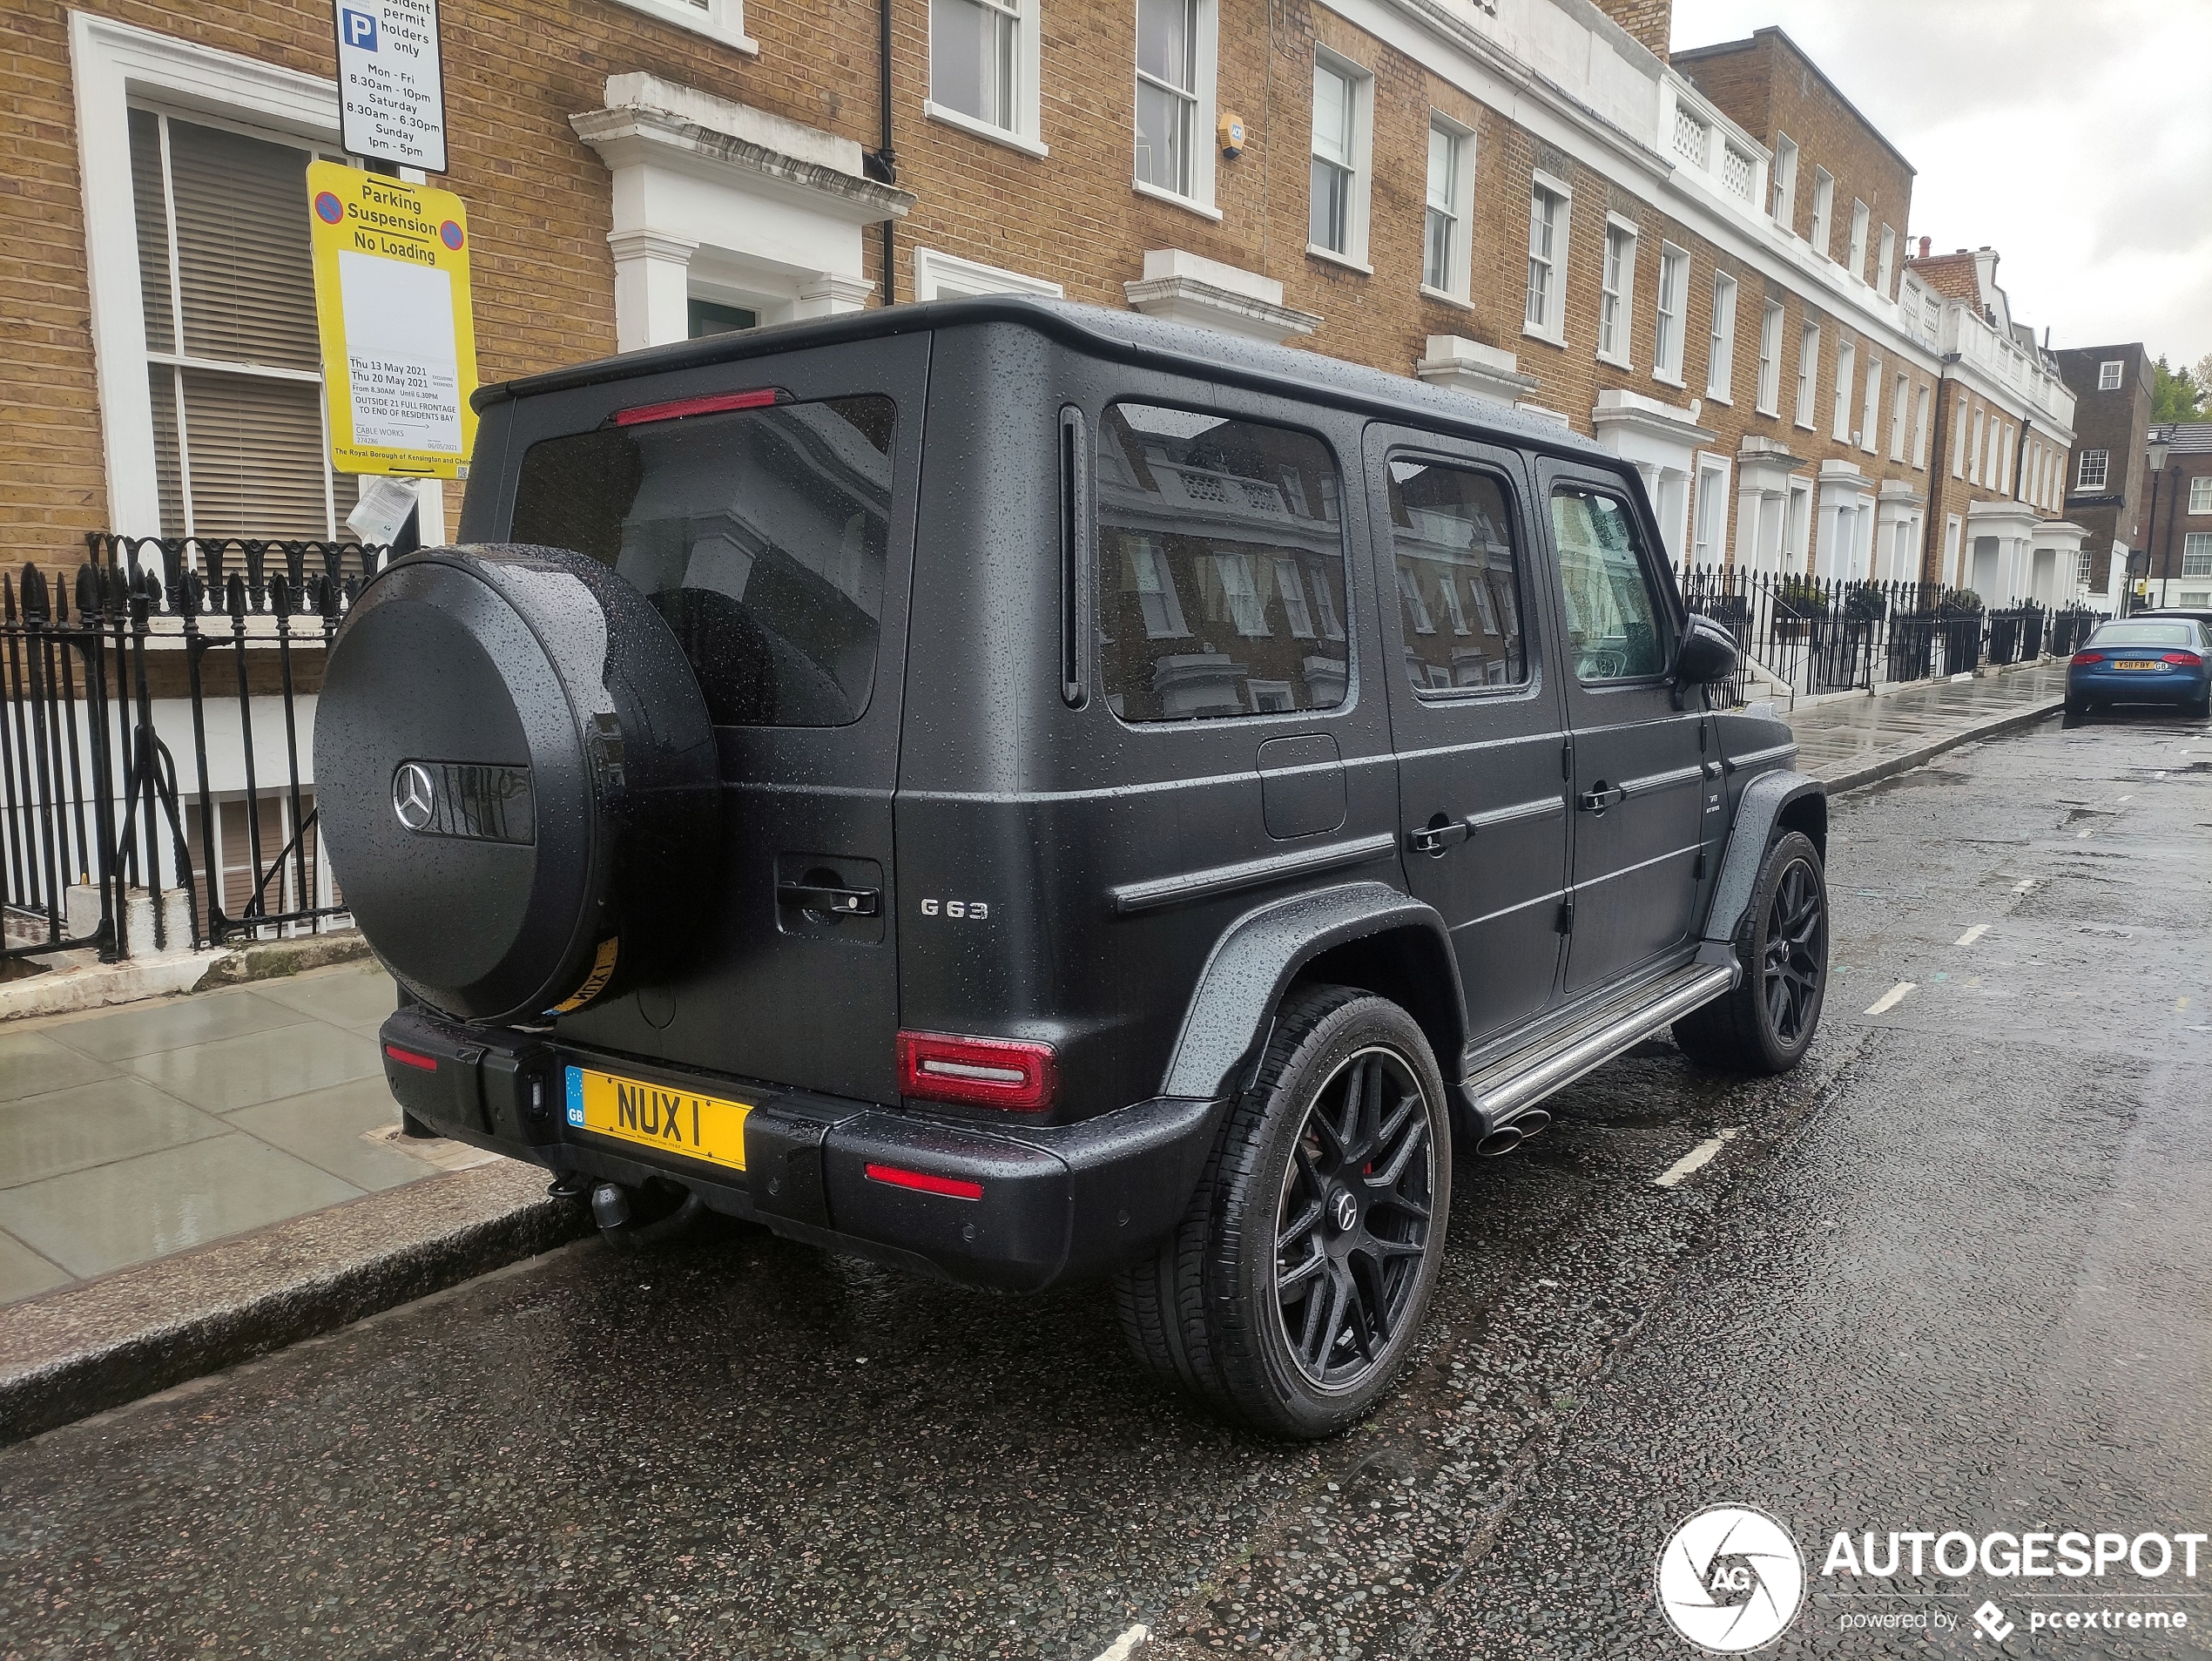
(2106, 492)
(1523, 198)
(2177, 527)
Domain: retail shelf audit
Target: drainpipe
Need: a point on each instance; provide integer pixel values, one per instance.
(882, 162)
(1931, 539)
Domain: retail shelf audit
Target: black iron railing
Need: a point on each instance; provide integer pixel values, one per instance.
(103, 672)
(1814, 635)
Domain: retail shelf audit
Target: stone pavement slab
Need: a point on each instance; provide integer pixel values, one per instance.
(1853, 741)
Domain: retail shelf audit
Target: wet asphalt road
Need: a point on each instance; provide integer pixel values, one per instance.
(1950, 1273)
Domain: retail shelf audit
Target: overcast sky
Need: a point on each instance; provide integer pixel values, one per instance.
(2075, 136)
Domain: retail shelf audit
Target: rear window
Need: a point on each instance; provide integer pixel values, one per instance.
(2144, 634)
(1220, 567)
(761, 534)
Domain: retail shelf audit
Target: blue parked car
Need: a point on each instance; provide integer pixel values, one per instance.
(2142, 660)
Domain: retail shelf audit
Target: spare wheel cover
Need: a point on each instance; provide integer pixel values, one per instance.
(518, 780)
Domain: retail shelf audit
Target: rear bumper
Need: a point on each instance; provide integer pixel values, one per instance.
(1056, 1202)
(2139, 685)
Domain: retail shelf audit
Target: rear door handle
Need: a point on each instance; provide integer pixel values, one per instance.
(1597, 801)
(843, 902)
(1435, 837)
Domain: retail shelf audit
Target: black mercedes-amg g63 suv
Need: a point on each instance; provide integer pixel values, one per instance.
(1023, 792)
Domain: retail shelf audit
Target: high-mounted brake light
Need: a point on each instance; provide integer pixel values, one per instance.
(2087, 657)
(759, 398)
(976, 1072)
(409, 1058)
(922, 1182)
(2187, 659)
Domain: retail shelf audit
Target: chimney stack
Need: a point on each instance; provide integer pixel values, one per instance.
(1924, 245)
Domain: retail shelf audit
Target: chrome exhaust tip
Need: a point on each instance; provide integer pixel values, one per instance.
(1504, 1140)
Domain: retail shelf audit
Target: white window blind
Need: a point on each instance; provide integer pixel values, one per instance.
(234, 367)
(1720, 363)
(1770, 358)
(973, 51)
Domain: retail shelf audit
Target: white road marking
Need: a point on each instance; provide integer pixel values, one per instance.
(1890, 999)
(1128, 1645)
(2079, 834)
(2023, 885)
(1694, 1160)
(1972, 934)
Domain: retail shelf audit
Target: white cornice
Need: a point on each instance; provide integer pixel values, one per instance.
(634, 136)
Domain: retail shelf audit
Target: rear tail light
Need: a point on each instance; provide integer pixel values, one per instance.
(923, 1183)
(409, 1058)
(976, 1072)
(2087, 656)
(760, 398)
(2187, 659)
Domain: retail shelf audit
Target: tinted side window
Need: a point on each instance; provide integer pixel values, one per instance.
(761, 534)
(1613, 619)
(1458, 580)
(1220, 567)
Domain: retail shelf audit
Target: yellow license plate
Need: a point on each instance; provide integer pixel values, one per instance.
(2135, 663)
(657, 1116)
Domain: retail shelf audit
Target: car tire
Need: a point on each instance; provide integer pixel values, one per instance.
(2203, 708)
(2077, 708)
(1765, 1023)
(1292, 1198)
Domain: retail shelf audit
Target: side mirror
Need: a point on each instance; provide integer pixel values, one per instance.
(1707, 653)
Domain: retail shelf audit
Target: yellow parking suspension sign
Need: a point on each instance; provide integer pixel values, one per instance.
(399, 337)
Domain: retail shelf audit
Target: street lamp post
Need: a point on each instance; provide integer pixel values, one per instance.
(2155, 453)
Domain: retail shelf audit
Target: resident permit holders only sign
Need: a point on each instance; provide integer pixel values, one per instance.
(399, 339)
(391, 84)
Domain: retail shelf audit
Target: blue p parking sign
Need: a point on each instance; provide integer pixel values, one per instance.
(361, 28)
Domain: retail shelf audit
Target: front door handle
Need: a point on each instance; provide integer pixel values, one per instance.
(1605, 796)
(843, 902)
(1437, 835)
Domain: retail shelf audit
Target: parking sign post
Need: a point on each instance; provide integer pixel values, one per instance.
(391, 82)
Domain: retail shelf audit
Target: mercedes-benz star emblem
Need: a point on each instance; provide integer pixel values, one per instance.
(1347, 1210)
(414, 797)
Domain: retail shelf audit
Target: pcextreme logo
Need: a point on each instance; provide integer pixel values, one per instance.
(1731, 1579)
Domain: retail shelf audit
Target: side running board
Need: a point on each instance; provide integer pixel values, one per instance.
(1509, 1088)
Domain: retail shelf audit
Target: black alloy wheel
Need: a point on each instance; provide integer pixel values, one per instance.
(1353, 1224)
(1766, 1022)
(1291, 1295)
(1796, 950)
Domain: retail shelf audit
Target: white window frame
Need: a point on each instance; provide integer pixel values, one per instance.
(1900, 400)
(1861, 219)
(1846, 374)
(2108, 375)
(1458, 258)
(2008, 450)
(1870, 409)
(1953, 538)
(1361, 81)
(1025, 134)
(1782, 202)
(1920, 426)
(1617, 294)
(1770, 387)
(1823, 208)
(1961, 418)
(1720, 341)
(1674, 274)
(1886, 261)
(2094, 468)
(1975, 447)
(1552, 326)
(1205, 47)
(2196, 553)
(939, 275)
(1808, 406)
(2200, 493)
(722, 20)
(1708, 512)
